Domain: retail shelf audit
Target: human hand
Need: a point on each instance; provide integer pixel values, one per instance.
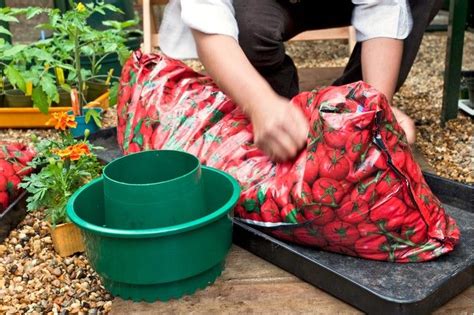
(280, 128)
(407, 124)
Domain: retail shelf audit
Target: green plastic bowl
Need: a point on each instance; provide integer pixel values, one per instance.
(153, 189)
(160, 263)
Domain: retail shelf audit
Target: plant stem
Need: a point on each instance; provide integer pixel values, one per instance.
(77, 56)
(93, 65)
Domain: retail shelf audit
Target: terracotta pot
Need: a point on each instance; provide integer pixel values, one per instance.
(67, 239)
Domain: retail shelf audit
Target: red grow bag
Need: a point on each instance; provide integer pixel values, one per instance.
(356, 188)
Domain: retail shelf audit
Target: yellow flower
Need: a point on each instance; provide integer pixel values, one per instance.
(62, 120)
(80, 7)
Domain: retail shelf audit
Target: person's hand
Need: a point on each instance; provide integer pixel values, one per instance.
(406, 123)
(280, 129)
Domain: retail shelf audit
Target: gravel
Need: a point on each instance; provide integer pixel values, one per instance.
(34, 279)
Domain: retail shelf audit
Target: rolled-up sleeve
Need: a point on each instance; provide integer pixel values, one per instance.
(381, 18)
(210, 16)
(207, 16)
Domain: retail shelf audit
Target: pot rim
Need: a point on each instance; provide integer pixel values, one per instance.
(154, 232)
(14, 92)
(85, 109)
(195, 169)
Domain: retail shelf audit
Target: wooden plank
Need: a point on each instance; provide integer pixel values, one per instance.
(330, 33)
(310, 78)
(250, 285)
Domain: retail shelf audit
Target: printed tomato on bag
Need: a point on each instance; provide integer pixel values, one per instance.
(13, 160)
(355, 189)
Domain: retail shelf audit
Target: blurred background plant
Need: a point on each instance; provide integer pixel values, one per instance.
(74, 56)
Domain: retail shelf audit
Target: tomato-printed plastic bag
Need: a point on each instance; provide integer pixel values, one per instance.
(355, 189)
(13, 167)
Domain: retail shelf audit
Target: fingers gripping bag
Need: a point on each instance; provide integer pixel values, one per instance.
(355, 189)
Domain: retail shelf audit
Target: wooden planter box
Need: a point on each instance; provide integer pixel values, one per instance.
(31, 117)
(67, 239)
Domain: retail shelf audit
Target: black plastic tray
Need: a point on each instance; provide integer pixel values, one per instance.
(13, 215)
(373, 287)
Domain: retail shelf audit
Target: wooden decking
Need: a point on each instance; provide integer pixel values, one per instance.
(250, 285)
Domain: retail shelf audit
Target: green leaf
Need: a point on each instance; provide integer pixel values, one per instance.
(87, 50)
(40, 100)
(41, 54)
(14, 50)
(34, 11)
(95, 115)
(4, 30)
(49, 87)
(8, 18)
(110, 47)
(45, 26)
(15, 78)
(113, 94)
(100, 11)
(114, 24)
(66, 87)
(97, 120)
(129, 23)
(123, 53)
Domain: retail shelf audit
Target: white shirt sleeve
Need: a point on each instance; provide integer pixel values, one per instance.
(207, 16)
(381, 18)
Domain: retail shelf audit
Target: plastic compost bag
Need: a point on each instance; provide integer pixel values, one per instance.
(13, 167)
(356, 188)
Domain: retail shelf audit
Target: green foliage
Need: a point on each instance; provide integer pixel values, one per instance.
(94, 115)
(113, 93)
(58, 177)
(72, 41)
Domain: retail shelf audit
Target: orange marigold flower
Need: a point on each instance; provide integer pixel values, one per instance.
(62, 120)
(79, 150)
(64, 153)
(82, 147)
(73, 152)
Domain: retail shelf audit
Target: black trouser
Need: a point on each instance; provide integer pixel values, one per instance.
(265, 24)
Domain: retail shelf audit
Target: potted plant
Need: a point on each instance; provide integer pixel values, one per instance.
(72, 41)
(30, 82)
(63, 166)
(101, 55)
(82, 41)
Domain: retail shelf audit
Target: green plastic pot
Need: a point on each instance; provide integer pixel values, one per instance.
(16, 98)
(161, 263)
(95, 88)
(64, 99)
(153, 189)
(5, 86)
